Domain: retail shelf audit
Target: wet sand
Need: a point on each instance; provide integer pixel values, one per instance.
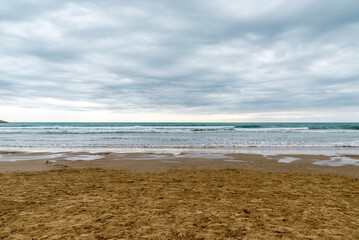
(187, 196)
(158, 163)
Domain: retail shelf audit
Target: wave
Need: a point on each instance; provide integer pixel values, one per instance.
(212, 129)
(168, 146)
(343, 128)
(143, 130)
(230, 128)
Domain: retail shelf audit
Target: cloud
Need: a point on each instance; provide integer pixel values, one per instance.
(181, 57)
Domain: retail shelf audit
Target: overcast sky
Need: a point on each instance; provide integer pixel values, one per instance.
(170, 60)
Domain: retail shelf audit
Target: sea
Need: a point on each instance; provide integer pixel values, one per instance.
(261, 138)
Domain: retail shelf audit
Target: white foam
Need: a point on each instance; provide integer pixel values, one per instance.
(338, 161)
(84, 157)
(288, 160)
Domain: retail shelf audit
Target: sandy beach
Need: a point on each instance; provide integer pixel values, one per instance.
(187, 196)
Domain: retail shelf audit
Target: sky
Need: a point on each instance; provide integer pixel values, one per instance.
(169, 60)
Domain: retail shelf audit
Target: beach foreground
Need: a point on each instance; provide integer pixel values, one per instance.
(78, 200)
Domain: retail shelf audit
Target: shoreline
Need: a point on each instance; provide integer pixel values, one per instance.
(261, 150)
(343, 165)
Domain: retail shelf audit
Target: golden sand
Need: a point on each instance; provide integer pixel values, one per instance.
(207, 204)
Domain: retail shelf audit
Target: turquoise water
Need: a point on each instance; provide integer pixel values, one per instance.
(209, 137)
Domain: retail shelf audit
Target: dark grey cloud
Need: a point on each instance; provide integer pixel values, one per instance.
(210, 57)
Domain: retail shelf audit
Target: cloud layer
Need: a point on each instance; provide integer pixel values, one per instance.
(181, 57)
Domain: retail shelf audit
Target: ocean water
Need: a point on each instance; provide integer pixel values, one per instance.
(264, 138)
